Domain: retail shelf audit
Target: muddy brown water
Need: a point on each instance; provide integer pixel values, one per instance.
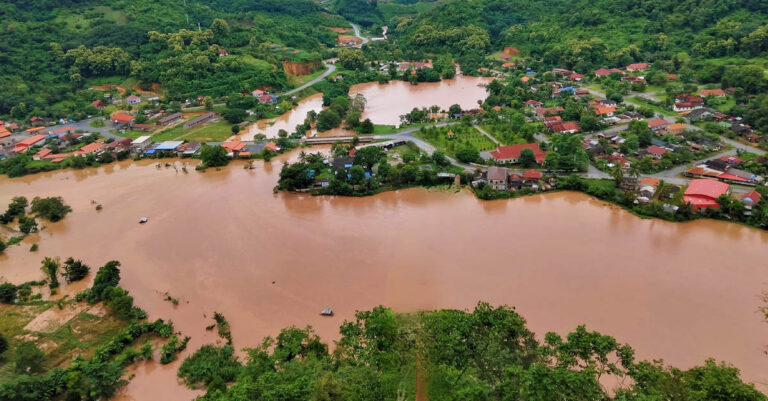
(385, 103)
(223, 241)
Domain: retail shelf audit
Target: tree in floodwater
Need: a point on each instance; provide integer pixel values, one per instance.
(51, 269)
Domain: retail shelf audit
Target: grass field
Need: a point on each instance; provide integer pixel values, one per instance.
(441, 139)
(59, 337)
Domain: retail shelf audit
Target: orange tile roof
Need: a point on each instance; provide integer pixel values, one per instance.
(677, 127)
(36, 129)
(233, 146)
(32, 140)
(271, 146)
(122, 118)
(43, 152)
(89, 148)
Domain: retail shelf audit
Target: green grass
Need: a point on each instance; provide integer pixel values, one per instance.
(253, 61)
(463, 136)
(381, 129)
(116, 16)
(641, 102)
(214, 132)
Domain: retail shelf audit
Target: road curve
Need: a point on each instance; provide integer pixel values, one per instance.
(330, 68)
(357, 34)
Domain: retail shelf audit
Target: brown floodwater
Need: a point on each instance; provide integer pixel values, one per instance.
(223, 241)
(385, 103)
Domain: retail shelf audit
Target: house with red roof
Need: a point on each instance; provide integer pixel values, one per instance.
(272, 147)
(551, 121)
(637, 67)
(92, 147)
(133, 99)
(121, 118)
(751, 198)
(712, 92)
(534, 104)
(531, 175)
(223, 53)
(604, 111)
(602, 72)
(656, 151)
(42, 154)
(657, 124)
(5, 136)
(686, 102)
(566, 128)
(24, 145)
(233, 147)
(511, 153)
(99, 104)
(61, 131)
(703, 193)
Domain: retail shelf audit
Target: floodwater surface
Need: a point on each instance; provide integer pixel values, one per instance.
(385, 103)
(223, 241)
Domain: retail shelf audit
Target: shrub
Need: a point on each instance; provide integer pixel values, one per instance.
(28, 358)
(52, 208)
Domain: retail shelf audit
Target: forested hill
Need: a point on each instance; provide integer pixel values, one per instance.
(43, 65)
(584, 34)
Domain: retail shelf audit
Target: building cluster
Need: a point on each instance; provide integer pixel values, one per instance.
(502, 179)
(726, 169)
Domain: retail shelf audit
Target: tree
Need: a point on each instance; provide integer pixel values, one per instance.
(328, 119)
(214, 156)
(366, 127)
(368, 156)
(75, 270)
(52, 208)
(357, 175)
(51, 269)
(220, 28)
(527, 158)
(27, 224)
(552, 161)
(16, 208)
(208, 103)
(439, 158)
(235, 129)
(467, 154)
(107, 276)
(3, 344)
(7, 293)
(28, 358)
(234, 115)
(352, 59)
(454, 110)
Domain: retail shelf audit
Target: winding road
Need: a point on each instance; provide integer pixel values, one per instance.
(357, 34)
(329, 69)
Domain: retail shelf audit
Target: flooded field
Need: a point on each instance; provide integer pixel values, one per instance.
(222, 241)
(386, 102)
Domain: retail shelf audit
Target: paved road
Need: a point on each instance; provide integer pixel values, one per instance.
(357, 33)
(84, 125)
(330, 68)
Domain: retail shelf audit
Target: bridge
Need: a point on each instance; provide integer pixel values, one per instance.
(333, 139)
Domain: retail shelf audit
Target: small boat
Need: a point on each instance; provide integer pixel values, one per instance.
(143, 220)
(327, 312)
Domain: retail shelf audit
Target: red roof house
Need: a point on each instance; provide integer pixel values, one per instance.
(637, 67)
(532, 175)
(657, 124)
(533, 103)
(511, 153)
(568, 127)
(751, 197)
(703, 193)
(89, 148)
(656, 151)
(712, 92)
(234, 146)
(23, 146)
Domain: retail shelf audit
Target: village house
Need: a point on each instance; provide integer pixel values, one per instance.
(267, 99)
(233, 148)
(121, 119)
(497, 178)
(92, 147)
(751, 198)
(637, 67)
(223, 53)
(199, 120)
(534, 104)
(257, 93)
(531, 177)
(676, 128)
(141, 143)
(703, 193)
(5, 136)
(24, 145)
(189, 149)
(566, 128)
(712, 92)
(657, 125)
(551, 121)
(604, 111)
(170, 119)
(61, 131)
(602, 72)
(133, 99)
(543, 112)
(647, 187)
(511, 153)
(167, 146)
(686, 102)
(99, 104)
(42, 154)
(656, 151)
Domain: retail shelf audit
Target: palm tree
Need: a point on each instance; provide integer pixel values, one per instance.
(618, 174)
(303, 156)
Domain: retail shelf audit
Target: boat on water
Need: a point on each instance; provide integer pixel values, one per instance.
(143, 220)
(327, 312)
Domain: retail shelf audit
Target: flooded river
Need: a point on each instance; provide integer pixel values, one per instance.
(222, 241)
(385, 103)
